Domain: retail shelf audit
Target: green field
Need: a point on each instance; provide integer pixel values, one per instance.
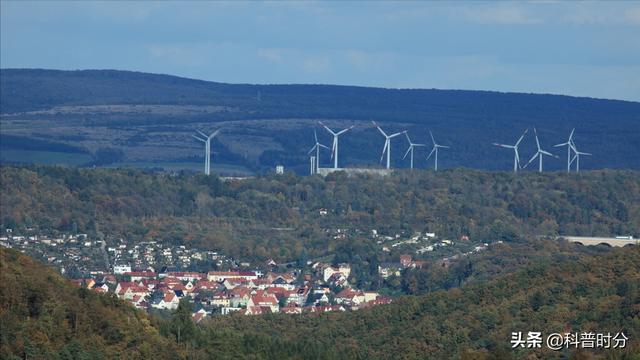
(44, 157)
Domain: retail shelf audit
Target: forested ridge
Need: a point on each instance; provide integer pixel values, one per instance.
(44, 317)
(241, 217)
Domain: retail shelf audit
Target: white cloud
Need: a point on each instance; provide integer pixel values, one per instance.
(272, 55)
(503, 14)
(315, 64)
(633, 16)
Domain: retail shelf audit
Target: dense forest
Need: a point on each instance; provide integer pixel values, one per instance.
(589, 293)
(44, 317)
(278, 216)
(151, 118)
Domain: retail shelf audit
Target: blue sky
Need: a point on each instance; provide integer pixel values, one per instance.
(560, 47)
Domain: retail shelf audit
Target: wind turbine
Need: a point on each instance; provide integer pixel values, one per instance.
(576, 157)
(570, 146)
(387, 143)
(334, 147)
(539, 153)
(206, 139)
(410, 149)
(317, 147)
(435, 150)
(516, 157)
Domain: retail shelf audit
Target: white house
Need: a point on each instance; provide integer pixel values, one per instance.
(121, 269)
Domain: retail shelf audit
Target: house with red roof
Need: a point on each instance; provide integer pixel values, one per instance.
(263, 299)
(199, 315)
(350, 297)
(127, 290)
(170, 301)
(239, 296)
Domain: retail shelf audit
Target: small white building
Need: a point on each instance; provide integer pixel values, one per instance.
(121, 269)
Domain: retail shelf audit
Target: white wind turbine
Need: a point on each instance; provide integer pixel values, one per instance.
(539, 153)
(317, 147)
(334, 147)
(410, 149)
(435, 150)
(516, 157)
(576, 157)
(387, 144)
(206, 139)
(570, 146)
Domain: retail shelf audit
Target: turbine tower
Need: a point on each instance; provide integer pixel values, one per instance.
(435, 150)
(206, 139)
(334, 147)
(516, 157)
(570, 146)
(539, 153)
(317, 147)
(410, 149)
(387, 144)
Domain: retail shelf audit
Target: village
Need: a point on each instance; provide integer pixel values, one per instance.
(217, 284)
(136, 277)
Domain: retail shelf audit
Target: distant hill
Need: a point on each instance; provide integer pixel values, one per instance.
(150, 119)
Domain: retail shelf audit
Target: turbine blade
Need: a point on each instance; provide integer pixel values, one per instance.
(533, 158)
(408, 139)
(386, 144)
(324, 146)
(197, 138)
(394, 135)
(407, 153)
(326, 127)
(344, 131)
(315, 135)
(546, 153)
(313, 148)
(537, 142)
(213, 134)
(571, 134)
(504, 146)
(432, 139)
(201, 133)
(431, 153)
(522, 137)
(563, 144)
(379, 129)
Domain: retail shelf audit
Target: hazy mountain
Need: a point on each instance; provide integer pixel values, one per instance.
(148, 119)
